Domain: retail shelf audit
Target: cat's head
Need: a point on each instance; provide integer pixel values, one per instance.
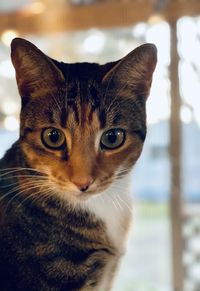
(82, 125)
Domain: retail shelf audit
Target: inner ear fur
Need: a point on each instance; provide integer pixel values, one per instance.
(135, 70)
(35, 72)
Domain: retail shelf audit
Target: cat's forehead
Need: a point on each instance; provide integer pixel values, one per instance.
(79, 116)
(83, 100)
(81, 104)
(77, 106)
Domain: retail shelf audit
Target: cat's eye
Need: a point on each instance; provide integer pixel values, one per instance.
(53, 138)
(113, 138)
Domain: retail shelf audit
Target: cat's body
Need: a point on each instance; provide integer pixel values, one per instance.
(42, 244)
(65, 209)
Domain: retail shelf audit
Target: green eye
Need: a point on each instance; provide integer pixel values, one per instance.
(53, 138)
(113, 138)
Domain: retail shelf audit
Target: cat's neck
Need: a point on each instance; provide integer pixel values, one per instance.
(114, 207)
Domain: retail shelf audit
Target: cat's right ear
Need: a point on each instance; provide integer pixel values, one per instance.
(35, 72)
(132, 75)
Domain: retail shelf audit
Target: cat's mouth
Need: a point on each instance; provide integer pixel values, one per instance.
(70, 191)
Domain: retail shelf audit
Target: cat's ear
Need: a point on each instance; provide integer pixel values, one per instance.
(35, 72)
(134, 72)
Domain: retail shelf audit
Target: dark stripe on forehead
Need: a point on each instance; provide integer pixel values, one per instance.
(90, 116)
(95, 99)
(49, 116)
(63, 117)
(84, 92)
(72, 100)
(72, 93)
(76, 113)
(102, 118)
(83, 114)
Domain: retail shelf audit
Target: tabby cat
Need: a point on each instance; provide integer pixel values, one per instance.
(64, 203)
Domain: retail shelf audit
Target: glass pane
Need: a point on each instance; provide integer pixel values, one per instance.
(189, 47)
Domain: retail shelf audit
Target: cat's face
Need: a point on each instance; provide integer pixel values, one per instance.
(82, 125)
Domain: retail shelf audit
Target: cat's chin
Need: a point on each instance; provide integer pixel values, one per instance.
(80, 197)
(84, 197)
(74, 196)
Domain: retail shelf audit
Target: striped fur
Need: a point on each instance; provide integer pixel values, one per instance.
(56, 234)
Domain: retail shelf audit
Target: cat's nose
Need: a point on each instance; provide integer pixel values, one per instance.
(82, 183)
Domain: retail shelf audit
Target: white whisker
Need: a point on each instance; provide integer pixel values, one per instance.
(34, 196)
(127, 206)
(21, 192)
(117, 201)
(20, 187)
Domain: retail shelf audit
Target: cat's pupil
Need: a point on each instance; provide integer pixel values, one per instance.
(54, 136)
(112, 136)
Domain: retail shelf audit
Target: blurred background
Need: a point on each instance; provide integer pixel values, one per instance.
(164, 247)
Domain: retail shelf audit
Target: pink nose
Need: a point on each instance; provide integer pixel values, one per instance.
(83, 183)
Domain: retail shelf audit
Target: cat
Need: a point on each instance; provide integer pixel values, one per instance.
(65, 208)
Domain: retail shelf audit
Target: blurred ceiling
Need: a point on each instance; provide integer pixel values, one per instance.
(45, 16)
(12, 6)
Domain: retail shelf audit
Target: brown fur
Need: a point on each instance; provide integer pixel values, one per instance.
(49, 240)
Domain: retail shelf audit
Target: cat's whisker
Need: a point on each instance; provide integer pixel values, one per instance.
(18, 194)
(11, 175)
(113, 202)
(12, 184)
(34, 196)
(24, 185)
(22, 169)
(43, 195)
(10, 192)
(125, 204)
(117, 187)
(32, 180)
(118, 202)
(9, 172)
(34, 177)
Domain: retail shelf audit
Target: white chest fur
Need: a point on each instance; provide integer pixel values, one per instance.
(114, 208)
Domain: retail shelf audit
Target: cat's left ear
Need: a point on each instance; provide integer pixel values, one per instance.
(35, 72)
(133, 73)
